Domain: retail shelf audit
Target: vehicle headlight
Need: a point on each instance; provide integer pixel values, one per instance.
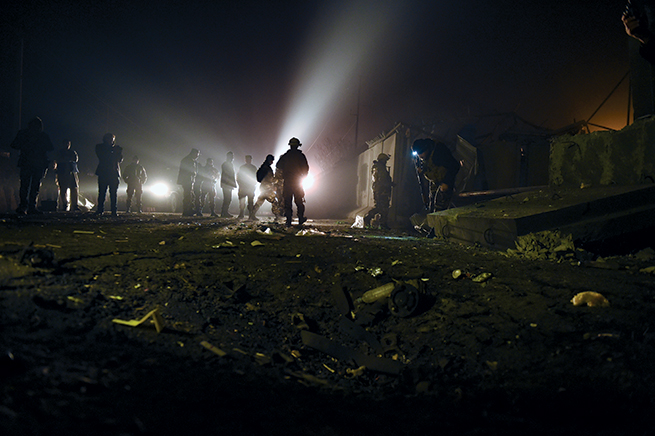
(159, 189)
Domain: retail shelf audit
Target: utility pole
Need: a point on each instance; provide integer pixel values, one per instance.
(359, 91)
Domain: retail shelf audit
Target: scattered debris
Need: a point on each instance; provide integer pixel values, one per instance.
(648, 270)
(646, 255)
(591, 299)
(481, 278)
(378, 364)
(213, 348)
(226, 244)
(352, 373)
(360, 333)
(359, 222)
(404, 300)
(378, 293)
(343, 301)
(546, 245)
(375, 271)
(154, 314)
(38, 257)
(310, 232)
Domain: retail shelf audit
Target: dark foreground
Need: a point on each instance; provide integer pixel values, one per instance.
(294, 353)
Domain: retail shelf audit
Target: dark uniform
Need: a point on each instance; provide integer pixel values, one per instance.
(208, 177)
(382, 184)
(266, 180)
(294, 167)
(228, 183)
(135, 176)
(187, 178)
(67, 178)
(108, 171)
(34, 145)
(440, 168)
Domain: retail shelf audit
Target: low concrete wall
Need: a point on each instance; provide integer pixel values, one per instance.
(625, 157)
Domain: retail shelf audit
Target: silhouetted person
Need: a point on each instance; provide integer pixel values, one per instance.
(639, 19)
(228, 183)
(382, 184)
(295, 168)
(266, 180)
(135, 176)
(208, 176)
(34, 145)
(247, 181)
(440, 168)
(67, 176)
(187, 178)
(108, 171)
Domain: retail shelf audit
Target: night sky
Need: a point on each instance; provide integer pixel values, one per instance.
(247, 75)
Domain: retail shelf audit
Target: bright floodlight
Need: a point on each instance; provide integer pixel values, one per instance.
(339, 49)
(308, 182)
(160, 189)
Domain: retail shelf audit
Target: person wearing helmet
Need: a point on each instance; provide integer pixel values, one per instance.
(294, 168)
(440, 168)
(382, 184)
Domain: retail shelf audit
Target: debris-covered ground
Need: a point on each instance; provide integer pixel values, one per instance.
(162, 325)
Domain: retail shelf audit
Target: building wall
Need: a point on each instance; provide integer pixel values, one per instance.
(626, 157)
(405, 195)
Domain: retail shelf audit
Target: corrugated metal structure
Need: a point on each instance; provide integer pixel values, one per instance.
(406, 195)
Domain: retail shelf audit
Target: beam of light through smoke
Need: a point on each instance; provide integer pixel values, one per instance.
(345, 44)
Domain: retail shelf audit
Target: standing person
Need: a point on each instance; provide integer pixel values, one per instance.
(108, 171)
(135, 176)
(209, 176)
(639, 21)
(440, 168)
(228, 183)
(294, 167)
(382, 184)
(67, 178)
(187, 178)
(266, 180)
(34, 145)
(247, 181)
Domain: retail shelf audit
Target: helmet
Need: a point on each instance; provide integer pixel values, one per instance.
(294, 142)
(383, 156)
(421, 145)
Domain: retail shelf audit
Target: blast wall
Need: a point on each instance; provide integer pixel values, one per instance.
(625, 157)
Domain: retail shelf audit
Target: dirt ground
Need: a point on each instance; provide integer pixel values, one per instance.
(257, 329)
